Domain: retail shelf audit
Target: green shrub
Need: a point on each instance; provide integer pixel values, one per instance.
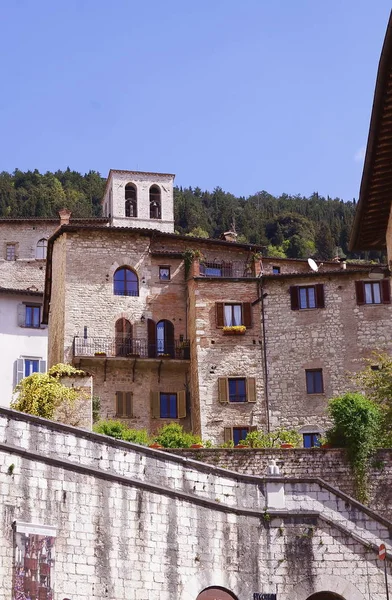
(172, 435)
(120, 431)
(273, 439)
(356, 426)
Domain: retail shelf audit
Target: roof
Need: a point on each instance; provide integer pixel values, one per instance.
(374, 204)
(321, 273)
(4, 290)
(52, 220)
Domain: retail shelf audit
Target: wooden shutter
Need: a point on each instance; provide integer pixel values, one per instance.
(220, 310)
(169, 338)
(155, 405)
(181, 404)
(228, 434)
(385, 291)
(223, 389)
(294, 295)
(42, 366)
(360, 292)
(119, 404)
(152, 338)
(320, 303)
(128, 404)
(251, 389)
(247, 314)
(19, 372)
(253, 428)
(22, 315)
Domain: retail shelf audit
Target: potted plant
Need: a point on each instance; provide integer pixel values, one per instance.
(286, 445)
(99, 353)
(197, 446)
(155, 445)
(234, 330)
(164, 355)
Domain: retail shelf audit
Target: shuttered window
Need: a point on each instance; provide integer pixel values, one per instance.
(373, 292)
(307, 296)
(233, 313)
(237, 389)
(168, 405)
(124, 404)
(237, 434)
(27, 366)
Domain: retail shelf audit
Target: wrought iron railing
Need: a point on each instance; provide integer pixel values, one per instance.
(130, 348)
(226, 269)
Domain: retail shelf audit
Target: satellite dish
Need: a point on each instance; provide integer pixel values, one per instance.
(312, 264)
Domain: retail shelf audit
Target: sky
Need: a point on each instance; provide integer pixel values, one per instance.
(247, 95)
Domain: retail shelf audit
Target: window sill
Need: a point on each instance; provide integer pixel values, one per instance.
(315, 393)
(125, 417)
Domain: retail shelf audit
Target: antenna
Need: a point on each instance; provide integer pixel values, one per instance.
(312, 264)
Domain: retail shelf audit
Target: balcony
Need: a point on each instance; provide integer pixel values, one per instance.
(231, 270)
(100, 347)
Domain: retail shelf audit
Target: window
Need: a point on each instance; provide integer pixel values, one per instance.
(314, 381)
(32, 316)
(123, 339)
(217, 269)
(311, 440)
(27, 366)
(276, 270)
(237, 434)
(10, 252)
(373, 292)
(168, 405)
(130, 200)
(164, 273)
(307, 296)
(155, 202)
(231, 314)
(236, 389)
(124, 404)
(40, 251)
(126, 282)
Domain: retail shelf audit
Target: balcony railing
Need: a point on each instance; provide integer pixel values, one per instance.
(130, 348)
(226, 269)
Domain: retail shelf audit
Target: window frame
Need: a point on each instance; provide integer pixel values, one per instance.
(41, 248)
(124, 291)
(319, 296)
(10, 246)
(162, 268)
(237, 397)
(20, 367)
(171, 400)
(246, 313)
(310, 379)
(383, 287)
(314, 441)
(224, 389)
(33, 308)
(275, 270)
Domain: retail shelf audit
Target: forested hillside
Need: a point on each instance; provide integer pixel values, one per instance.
(292, 226)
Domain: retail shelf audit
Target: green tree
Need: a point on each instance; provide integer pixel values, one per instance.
(325, 244)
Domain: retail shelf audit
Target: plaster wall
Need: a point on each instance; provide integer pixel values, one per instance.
(17, 342)
(132, 522)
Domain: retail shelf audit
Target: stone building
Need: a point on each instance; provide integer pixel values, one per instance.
(205, 332)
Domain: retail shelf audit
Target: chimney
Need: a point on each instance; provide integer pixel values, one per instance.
(229, 236)
(65, 216)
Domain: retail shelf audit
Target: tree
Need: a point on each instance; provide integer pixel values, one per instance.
(325, 244)
(376, 380)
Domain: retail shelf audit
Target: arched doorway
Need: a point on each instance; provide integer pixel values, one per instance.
(160, 338)
(216, 593)
(325, 596)
(123, 338)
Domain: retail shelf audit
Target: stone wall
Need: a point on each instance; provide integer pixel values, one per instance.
(335, 339)
(331, 465)
(132, 522)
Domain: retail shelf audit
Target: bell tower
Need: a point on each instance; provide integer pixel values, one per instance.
(137, 199)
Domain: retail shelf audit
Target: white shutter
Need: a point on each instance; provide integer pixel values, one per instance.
(22, 315)
(19, 370)
(42, 366)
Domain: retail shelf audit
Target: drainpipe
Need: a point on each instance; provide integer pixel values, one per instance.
(264, 355)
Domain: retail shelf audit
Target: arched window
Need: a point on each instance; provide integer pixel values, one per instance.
(130, 200)
(40, 251)
(155, 202)
(160, 338)
(126, 282)
(123, 337)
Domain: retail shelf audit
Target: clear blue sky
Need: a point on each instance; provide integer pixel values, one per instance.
(243, 94)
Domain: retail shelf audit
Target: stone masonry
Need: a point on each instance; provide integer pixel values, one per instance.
(132, 522)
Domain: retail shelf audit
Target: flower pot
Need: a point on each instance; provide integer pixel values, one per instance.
(237, 330)
(197, 446)
(99, 353)
(44, 569)
(155, 445)
(286, 446)
(241, 446)
(326, 446)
